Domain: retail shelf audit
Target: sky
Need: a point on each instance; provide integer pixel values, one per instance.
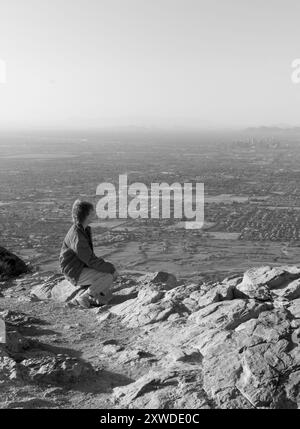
(154, 63)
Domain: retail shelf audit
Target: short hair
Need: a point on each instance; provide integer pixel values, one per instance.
(81, 210)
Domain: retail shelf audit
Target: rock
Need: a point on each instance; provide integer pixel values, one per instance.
(16, 318)
(293, 388)
(169, 280)
(221, 371)
(111, 341)
(111, 349)
(271, 277)
(9, 370)
(245, 290)
(290, 291)
(257, 282)
(248, 377)
(189, 295)
(247, 352)
(133, 355)
(126, 291)
(228, 314)
(58, 369)
(53, 391)
(295, 324)
(269, 326)
(258, 380)
(223, 292)
(27, 299)
(11, 265)
(149, 307)
(104, 316)
(42, 291)
(232, 282)
(64, 291)
(166, 389)
(188, 356)
(204, 340)
(165, 280)
(294, 308)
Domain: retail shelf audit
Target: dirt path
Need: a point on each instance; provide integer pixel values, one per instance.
(77, 333)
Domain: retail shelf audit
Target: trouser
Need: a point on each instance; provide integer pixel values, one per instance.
(99, 284)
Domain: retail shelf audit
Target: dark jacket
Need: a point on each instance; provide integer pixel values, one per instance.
(77, 253)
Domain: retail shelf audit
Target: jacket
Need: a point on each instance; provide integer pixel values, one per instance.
(77, 252)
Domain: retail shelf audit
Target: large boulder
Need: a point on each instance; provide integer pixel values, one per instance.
(258, 283)
(60, 291)
(11, 265)
(43, 291)
(64, 291)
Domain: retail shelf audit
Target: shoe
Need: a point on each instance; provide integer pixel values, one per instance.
(83, 301)
(95, 303)
(104, 297)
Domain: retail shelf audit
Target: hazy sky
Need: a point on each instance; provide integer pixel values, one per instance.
(203, 63)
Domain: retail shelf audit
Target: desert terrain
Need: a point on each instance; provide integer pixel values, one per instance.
(252, 219)
(252, 201)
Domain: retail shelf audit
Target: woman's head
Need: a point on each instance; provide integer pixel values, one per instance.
(82, 212)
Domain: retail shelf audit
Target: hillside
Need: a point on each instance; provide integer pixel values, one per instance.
(163, 343)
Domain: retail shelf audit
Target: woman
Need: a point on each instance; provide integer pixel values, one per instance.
(80, 265)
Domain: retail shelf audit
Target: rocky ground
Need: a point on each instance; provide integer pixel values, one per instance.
(162, 343)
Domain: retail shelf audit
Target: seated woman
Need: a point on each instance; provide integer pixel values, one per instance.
(80, 265)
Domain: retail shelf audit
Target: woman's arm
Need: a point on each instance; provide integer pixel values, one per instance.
(85, 254)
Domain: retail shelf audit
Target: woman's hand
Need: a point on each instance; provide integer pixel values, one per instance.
(107, 267)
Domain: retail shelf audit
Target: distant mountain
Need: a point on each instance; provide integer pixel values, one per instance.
(273, 130)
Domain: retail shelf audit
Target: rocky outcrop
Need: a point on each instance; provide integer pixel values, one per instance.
(179, 387)
(11, 265)
(259, 283)
(229, 345)
(152, 305)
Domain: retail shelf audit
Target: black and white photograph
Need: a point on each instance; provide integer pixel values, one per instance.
(149, 208)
